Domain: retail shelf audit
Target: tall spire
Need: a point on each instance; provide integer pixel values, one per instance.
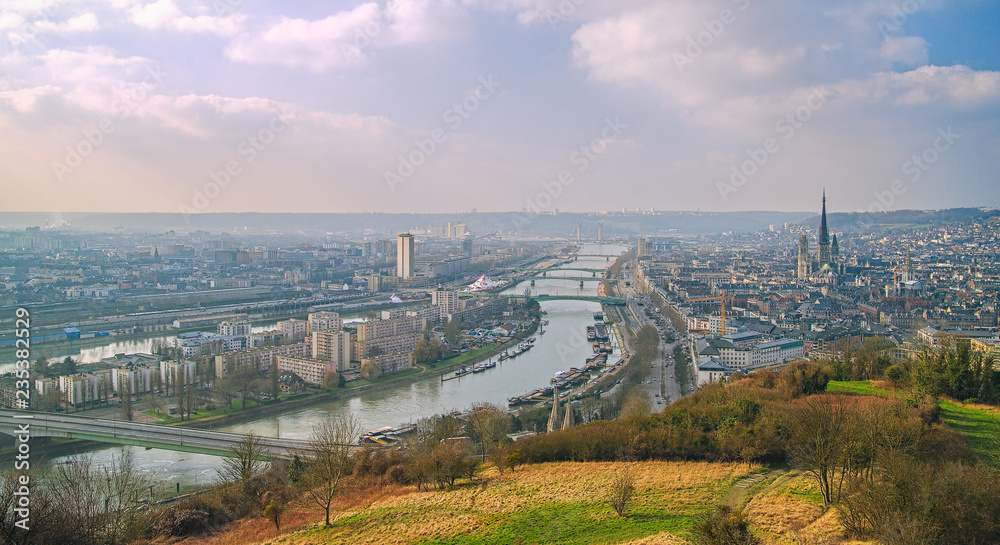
(568, 421)
(553, 424)
(824, 232)
(824, 237)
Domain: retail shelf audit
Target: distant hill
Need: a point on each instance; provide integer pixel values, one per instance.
(485, 223)
(855, 222)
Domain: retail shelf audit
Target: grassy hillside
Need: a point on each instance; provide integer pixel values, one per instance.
(979, 423)
(563, 503)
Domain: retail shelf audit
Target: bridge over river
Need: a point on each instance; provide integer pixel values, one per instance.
(614, 301)
(133, 433)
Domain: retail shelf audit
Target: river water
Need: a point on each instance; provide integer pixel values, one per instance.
(563, 345)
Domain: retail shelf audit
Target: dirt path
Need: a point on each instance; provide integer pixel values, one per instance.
(752, 485)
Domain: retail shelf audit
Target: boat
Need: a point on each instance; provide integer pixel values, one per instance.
(462, 372)
(478, 368)
(599, 317)
(504, 355)
(531, 340)
(591, 333)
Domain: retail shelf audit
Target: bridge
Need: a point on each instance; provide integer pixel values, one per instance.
(613, 301)
(119, 432)
(552, 269)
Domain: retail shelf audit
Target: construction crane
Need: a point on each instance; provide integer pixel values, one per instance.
(722, 302)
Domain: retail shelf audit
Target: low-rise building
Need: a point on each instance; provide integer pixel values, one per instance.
(310, 370)
(391, 363)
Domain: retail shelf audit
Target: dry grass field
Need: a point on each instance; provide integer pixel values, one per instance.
(554, 503)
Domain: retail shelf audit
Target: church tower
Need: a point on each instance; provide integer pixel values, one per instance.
(824, 237)
(803, 271)
(834, 251)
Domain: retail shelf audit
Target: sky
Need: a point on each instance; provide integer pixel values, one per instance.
(201, 106)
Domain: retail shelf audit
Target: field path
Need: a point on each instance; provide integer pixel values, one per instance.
(754, 484)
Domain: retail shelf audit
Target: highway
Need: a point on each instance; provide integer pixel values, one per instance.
(132, 433)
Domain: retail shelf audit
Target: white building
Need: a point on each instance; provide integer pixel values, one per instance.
(80, 388)
(171, 371)
(235, 328)
(138, 380)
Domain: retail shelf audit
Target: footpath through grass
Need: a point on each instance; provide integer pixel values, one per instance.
(979, 423)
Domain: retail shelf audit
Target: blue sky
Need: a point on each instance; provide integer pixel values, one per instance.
(575, 105)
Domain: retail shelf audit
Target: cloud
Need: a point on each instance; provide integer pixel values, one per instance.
(351, 37)
(164, 14)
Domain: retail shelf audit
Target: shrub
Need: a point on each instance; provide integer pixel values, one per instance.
(726, 526)
(182, 522)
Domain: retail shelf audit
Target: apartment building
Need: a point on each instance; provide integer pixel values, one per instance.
(391, 363)
(385, 345)
(388, 328)
(332, 346)
(323, 321)
(310, 370)
(295, 330)
(259, 358)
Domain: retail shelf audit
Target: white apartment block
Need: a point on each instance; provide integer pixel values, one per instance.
(323, 321)
(333, 347)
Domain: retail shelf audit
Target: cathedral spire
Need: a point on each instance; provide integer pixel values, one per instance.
(824, 237)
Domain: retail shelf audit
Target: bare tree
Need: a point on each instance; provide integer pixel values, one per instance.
(155, 403)
(225, 391)
(126, 395)
(331, 445)
(819, 434)
(245, 379)
(102, 505)
(245, 461)
(621, 490)
(489, 424)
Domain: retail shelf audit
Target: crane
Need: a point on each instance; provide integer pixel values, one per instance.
(722, 301)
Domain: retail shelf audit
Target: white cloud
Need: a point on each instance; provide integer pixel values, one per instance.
(165, 14)
(350, 38)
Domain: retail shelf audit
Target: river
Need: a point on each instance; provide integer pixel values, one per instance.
(562, 346)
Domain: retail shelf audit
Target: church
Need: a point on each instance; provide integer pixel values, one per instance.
(824, 264)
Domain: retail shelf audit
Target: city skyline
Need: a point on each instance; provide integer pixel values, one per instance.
(434, 106)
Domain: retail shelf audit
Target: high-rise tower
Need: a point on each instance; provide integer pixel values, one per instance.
(404, 256)
(803, 271)
(824, 237)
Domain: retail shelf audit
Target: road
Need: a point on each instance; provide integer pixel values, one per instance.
(661, 384)
(133, 433)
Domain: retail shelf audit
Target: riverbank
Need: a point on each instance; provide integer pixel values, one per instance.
(390, 382)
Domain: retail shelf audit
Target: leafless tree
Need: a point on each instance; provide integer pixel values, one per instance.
(246, 380)
(621, 490)
(329, 460)
(126, 399)
(102, 505)
(245, 461)
(225, 391)
(819, 435)
(489, 423)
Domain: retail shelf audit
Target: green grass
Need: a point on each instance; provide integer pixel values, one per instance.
(575, 523)
(860, 387)
(981, 426)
